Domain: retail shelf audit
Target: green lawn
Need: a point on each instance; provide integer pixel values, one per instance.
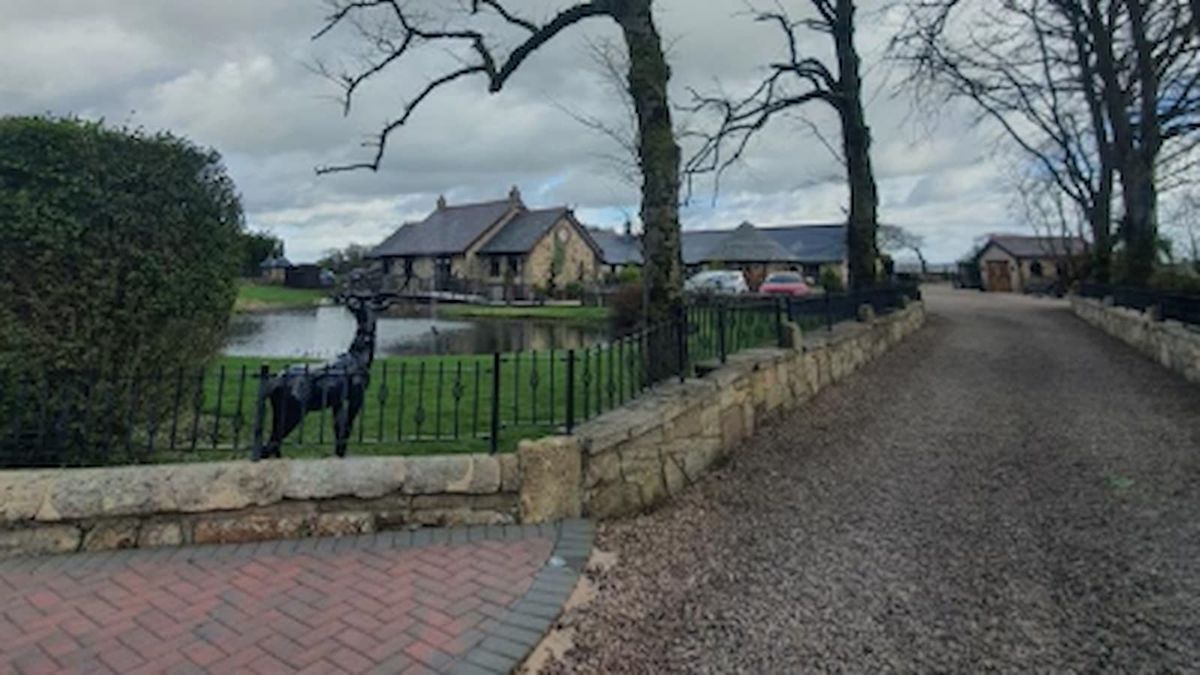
(548, 312)
(414, 405)
(253, 296)
(432, 405)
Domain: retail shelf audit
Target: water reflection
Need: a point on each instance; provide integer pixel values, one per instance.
(324, 332)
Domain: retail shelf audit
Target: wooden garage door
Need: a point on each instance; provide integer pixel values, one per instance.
(998, 276)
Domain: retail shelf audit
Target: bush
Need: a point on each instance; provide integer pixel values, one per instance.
(1176, 281)
(831, 281)
(625, 307)
(575, 290)
(119, 252)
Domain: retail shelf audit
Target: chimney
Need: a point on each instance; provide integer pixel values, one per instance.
(628, 228)
(441, 202)
(514, 195)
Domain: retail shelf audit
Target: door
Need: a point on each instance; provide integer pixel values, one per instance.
(442, 267)
(998, 276)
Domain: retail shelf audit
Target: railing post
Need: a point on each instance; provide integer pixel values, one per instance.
(722, 351)
(779, 334)
(260, 411)
(495, 440)
(570, 412)
(681, 340)
(828, 312)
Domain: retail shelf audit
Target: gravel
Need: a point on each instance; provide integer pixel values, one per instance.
(1008, 490)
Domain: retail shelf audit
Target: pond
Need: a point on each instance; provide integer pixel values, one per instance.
(325, 332)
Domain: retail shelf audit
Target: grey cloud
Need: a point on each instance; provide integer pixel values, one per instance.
(233, 74)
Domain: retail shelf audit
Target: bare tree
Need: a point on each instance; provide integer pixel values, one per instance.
(1081, 86)
(1021, 64)
(894, 238)
(1185, 227)
(392, 31)
(790, 84)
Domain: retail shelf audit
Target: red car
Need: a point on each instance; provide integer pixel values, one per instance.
(785, 283)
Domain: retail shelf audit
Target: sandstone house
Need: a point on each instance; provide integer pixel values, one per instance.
(500, 249)
(1023, 264)
(503, 250)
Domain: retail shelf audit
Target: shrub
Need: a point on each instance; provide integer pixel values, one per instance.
(831, 281)
(1176, 281)
(625, 307)
(575, 290)
(630, 274)
(119, 252)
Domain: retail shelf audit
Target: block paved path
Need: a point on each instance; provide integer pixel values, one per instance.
(467, 600)
(1009, 489)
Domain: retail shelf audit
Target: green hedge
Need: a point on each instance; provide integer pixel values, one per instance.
(119, 251)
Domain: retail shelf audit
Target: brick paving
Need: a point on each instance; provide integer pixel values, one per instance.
(470, 600)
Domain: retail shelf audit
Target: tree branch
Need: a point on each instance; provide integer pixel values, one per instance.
(480, 58)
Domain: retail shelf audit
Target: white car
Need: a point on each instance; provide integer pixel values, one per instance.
(722, 282)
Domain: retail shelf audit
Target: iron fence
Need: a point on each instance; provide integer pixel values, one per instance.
(1167, 305)
(473, 403)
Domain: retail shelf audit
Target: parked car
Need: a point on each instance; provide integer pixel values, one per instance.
(721, 282)
(785, 283)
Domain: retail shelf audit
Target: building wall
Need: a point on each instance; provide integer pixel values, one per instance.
(1020, 271)
(475, 266)
(578, 257)
(995, 254)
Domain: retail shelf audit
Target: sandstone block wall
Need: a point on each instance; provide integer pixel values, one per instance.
(1170, 343)
(635, 457)
(623, 462)
(65, 510)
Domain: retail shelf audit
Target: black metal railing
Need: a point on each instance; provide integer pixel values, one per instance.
(473, 403)
(1166, 305)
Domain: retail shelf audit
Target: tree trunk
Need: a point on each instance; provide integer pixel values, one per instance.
(1101, 223)
(658, 156)
(862, 249)
(1134, 151)
(1140, 198)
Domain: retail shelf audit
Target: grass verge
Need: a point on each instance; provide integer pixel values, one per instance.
(256, 297)
(544, 312)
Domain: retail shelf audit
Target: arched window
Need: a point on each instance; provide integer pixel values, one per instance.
(1036, 268)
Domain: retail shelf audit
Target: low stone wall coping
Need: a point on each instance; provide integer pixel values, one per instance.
(643, 452)
(135, 491)
(1172, 344)
(623, 461)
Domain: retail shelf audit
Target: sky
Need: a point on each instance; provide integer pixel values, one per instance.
(240, 76)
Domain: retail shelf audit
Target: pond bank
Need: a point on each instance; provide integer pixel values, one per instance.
(253, 297)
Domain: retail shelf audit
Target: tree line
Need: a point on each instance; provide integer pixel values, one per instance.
(1100, 94)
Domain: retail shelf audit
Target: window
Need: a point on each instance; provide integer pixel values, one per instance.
(494, 266)
(514, 265)
(408, 268)
(1036, 268)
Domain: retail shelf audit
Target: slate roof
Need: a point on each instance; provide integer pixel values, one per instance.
(617, 248)
(697, 243)
(1020, 246)
(446, 231)
(523, 231)
(274, 263)
(812, 244)
(803, 244)
(748, 244)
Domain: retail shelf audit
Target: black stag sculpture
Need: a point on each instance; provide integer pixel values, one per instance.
(339, 385)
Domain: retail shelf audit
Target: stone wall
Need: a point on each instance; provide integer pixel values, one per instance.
(1170, 343)
(623, 462)
(633, 458)
(64, 510)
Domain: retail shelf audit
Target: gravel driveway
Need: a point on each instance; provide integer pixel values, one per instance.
(1009, 489)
